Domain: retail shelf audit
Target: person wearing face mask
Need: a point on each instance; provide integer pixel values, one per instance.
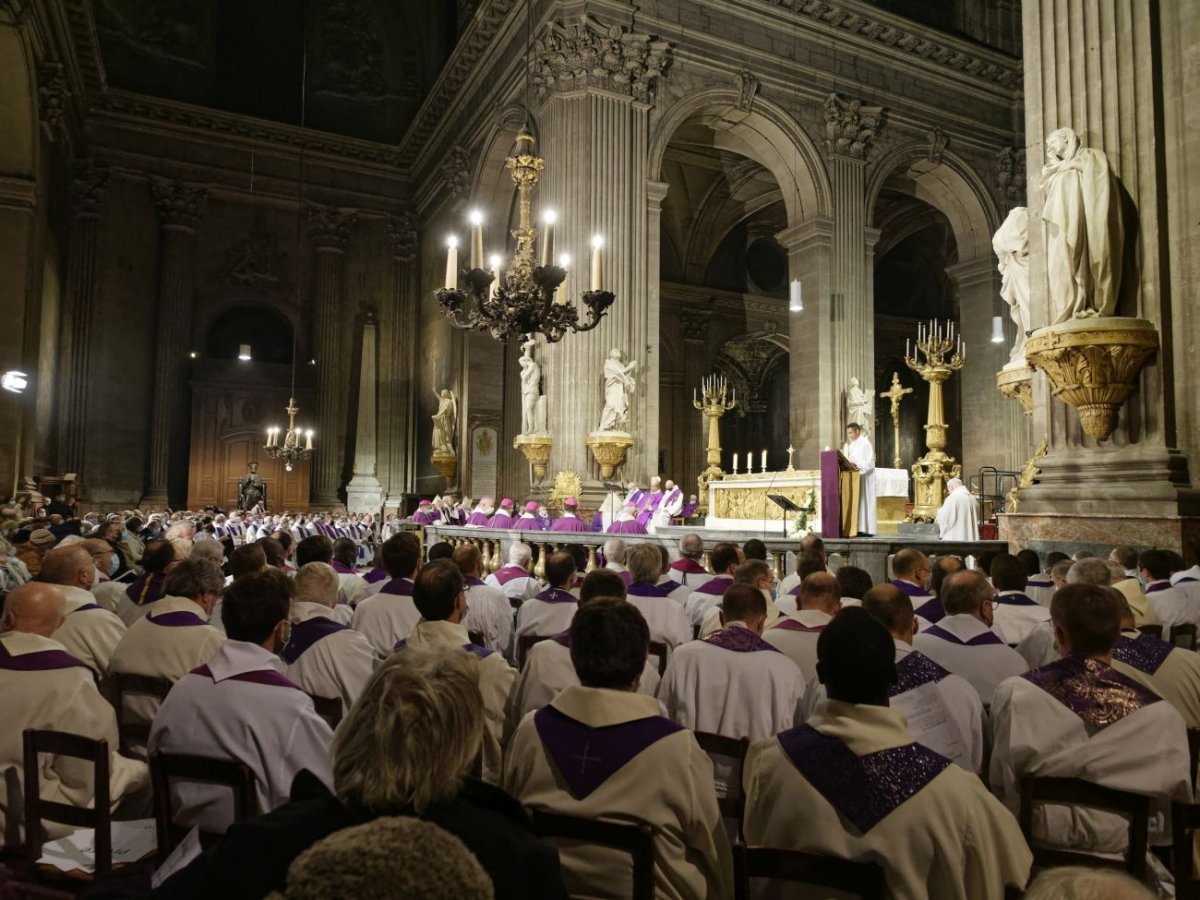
(240, 706)
(90, 632)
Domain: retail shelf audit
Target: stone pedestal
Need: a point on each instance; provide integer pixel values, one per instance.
(447, 464)
(1015, 383)
(364, 493)
(536, 450)
(609, 449)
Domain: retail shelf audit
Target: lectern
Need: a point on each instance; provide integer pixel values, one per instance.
(840, 483)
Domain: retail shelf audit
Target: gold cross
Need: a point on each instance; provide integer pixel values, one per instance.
(896, 393)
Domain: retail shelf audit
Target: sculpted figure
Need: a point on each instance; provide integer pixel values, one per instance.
(444, 421)
(618, 385)
(1011, 243)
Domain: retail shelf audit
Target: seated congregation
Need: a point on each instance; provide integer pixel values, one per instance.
(650, 728)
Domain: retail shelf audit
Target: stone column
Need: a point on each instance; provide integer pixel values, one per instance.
(364, 493)
(180, 206)
(1100, 69)
(329, 231)
(595, 137)
(76, 323)
(697, 363)
(397, 369)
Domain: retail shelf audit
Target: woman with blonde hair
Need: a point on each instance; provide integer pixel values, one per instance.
(406, 748)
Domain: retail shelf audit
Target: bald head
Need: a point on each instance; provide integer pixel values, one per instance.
(34, 608)
(893, 609)
(68, 566)
(911, 565)
(820, 591)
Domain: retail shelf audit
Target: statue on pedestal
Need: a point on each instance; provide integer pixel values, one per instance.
(858, 406)
(444, 421)
(533, 401)
(618, 385)
(1011, 244)
(1085, 234)
(252, 490)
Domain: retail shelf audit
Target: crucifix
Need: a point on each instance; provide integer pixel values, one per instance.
(896, 393)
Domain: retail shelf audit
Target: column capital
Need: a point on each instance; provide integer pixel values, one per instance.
(656, 192)
(88, 186)
(403, 237)
(851, 127)
(814, 232)
(329, 227)
(180, 204)
(587, 54)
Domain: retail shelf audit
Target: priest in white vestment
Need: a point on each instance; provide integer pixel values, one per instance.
(601, 751)
(852, 783)
(662, 606)
(862, 455)
(795, 635)
(1015, 614)
(1081, 718)
(389, 614)
(351, 586)
(1171, 672)
(1172, 603)
(240, 706)
(90, 632)
(489, 611)
(732, 682)
(689, 570)
(42, 686)
(724, 559)
(958, 517)
(515, 579)
(550, 612)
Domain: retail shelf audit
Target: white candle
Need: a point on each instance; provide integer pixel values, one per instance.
(764, 460)
(549, 217)
(308, 439)
(735, 464)
(451, 263)
(597, 264)
(906, 343)
(563, 295)
(494, 262)
(476, 218)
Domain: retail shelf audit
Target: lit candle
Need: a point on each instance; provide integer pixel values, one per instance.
(563, 295)
(308, 439)
(907, 341)
(764, 460)
(476, 219)
(451, 263)
(549, 217)
(494, 261)
(735, 464)
(597, 264)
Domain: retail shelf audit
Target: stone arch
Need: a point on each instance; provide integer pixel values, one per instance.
(749, 361)
(766, 134)
(18, 105)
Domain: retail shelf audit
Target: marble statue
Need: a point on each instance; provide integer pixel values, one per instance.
(1011, 243)
(618, 385)
(533, 401)
(858, 406)
(252, 490)
(1085, 235)
(444, 421)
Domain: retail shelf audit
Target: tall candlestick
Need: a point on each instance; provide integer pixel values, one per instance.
(597, 264)
(451, 263)
(476, 219)
(549, 217)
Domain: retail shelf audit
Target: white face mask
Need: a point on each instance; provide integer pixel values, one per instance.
(95, 576)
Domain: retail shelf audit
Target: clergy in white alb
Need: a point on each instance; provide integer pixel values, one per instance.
(240, 706)
(958, 517)
(732, 682)
(1081, 718)
(1173, 604)
(389, 614)
(725, 558)
(756, 573)
(489, 611)
(42, 686)
(351, 586)
(911, 573)
(796, 635)
(90, 632)
(689, 569)
(661, 606)
(173, 637)
(853, 784)
(963, 641)
(439, 595)
(325, 657)
(550, 611)
(1015, 614)
(601, 751)
(516, 579)
(1171, 672)
(862, 455)
(669, 508)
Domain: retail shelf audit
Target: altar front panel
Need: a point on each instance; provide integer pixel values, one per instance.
(741, 501)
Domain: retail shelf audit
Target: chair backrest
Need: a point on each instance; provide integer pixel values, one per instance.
(135, 735)
(733, 803)
(329, 709)
(1185, 820)
(658, 649)
(524, 642)
(1077, 792)
(1193, 735)
(1184, 635)
(1154, 630)
(37, 810)
(636, 840)
(865, 880)
(167, 767)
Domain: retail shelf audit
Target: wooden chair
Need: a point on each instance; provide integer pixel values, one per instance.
(329, 709)
(1185, 820)
(1077, 792)
(1193, 735)
(524, 642)
(733, 804)
(135, 735)
(636, 840)
(1184, 635)
(865, 880)
(168, 767)
(659, 649)
(37, 810)
(1154, 630)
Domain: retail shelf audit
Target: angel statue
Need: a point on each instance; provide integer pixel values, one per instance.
(618, 385)
(444, 421)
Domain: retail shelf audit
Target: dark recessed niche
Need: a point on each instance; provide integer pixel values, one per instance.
(766, 264)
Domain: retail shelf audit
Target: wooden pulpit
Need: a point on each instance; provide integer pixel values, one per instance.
(840, 486)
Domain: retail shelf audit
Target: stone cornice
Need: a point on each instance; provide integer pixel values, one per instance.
(694, 298)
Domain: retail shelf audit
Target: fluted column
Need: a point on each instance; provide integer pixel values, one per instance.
(398, 330)
(329, 231)
(180, 206)
(79, 303)
(693, 431)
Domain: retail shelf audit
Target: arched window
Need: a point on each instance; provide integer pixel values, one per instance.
(267, 332)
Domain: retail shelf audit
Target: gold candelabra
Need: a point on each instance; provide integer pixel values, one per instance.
(944, 354)
(714, 400)
(290, 450)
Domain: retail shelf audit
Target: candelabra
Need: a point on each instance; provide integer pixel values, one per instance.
(290, 451)
(944, 354)
(714, 401)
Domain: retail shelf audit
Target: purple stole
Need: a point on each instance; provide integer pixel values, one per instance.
(38, 661)
(636, 498)
(258, 676)
(1144, 653)
(1094, 691)
(507, 573)
(472, 581)
(1185, 579)
(501, 520)
(529, 523)
(481, 652)
(398, 587)
(786, 624)
(556, 595)
(627, 526)
(598, 521)
(587, 757)
(375, 576)
(648, 507)
(177, 619)
(478, 518)
(715, 586)
(146, 589)
(688, 510)
(420, 518)
(568, 523)
(689, 567)
(913, 671)
(931, 611)
(863, 789)
(563, 638)
(83, 608)
(988, 637)
(341, 568)
(1039, 581)
(307, 633)
(1015, 600)
(644, 589)
(739, 640)
(909, 588)
(1160, 586)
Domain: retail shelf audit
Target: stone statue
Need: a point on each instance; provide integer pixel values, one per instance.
(533, 402)
(618, 385)
(858, 406)
(444, 421)
(1085, 236)
(252, 490)
(1011, 243)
